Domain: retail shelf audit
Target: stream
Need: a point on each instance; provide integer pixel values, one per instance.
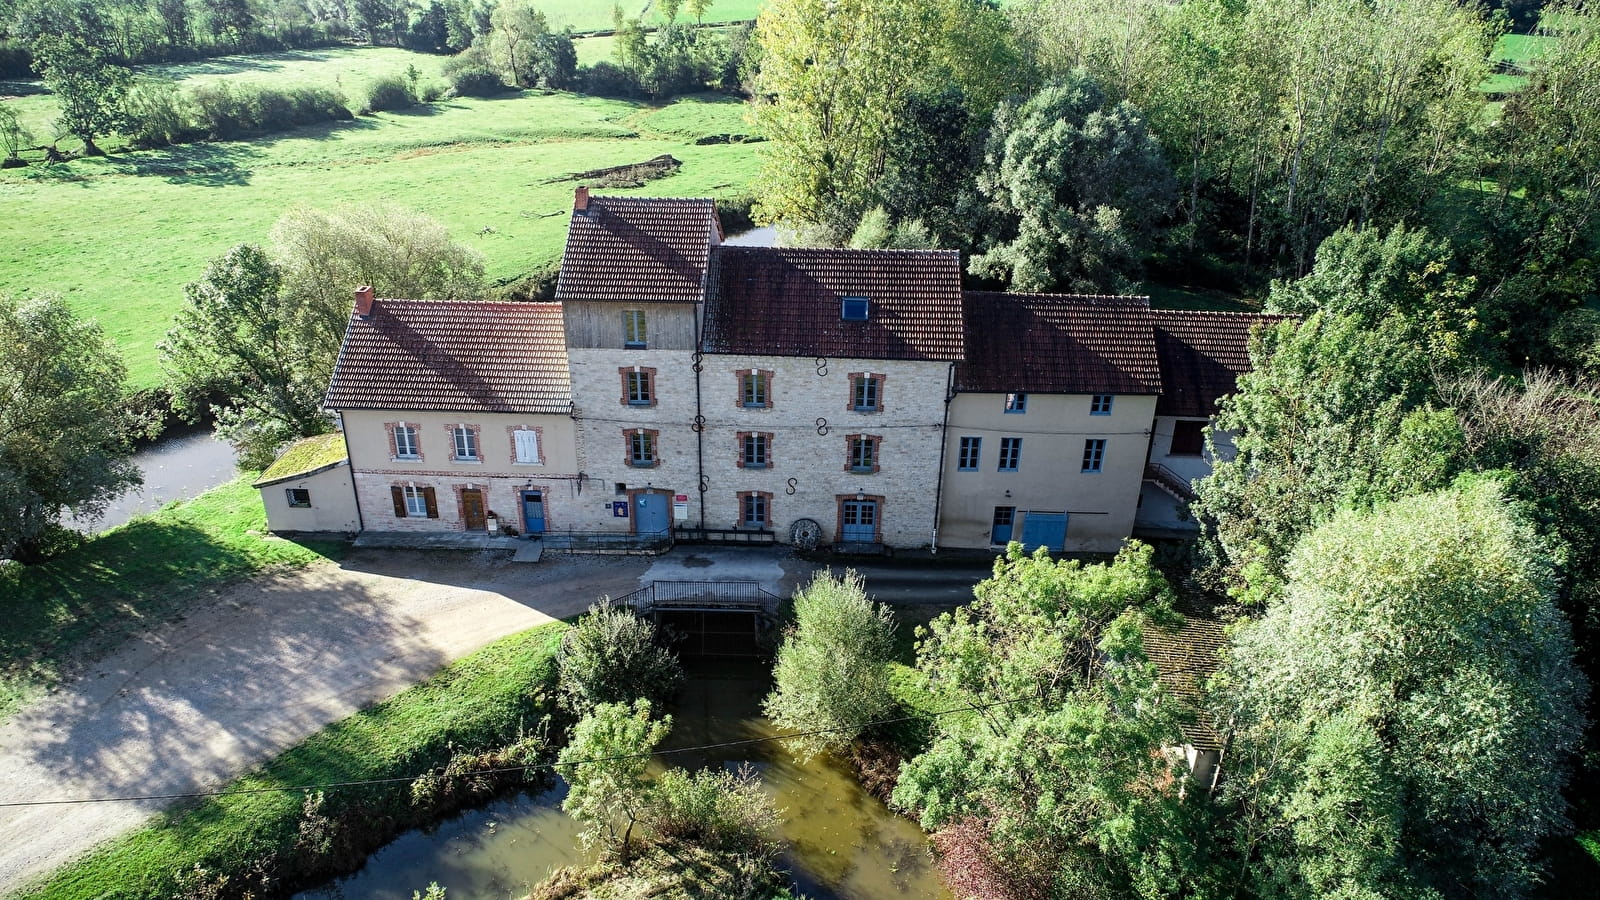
(839, 843)
(186, 464)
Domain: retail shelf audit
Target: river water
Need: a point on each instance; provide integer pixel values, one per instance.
(839, 842)
(186, 464)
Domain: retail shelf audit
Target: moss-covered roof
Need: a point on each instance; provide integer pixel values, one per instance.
(304, 457)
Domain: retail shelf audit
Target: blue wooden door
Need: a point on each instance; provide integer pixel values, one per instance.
(650, 514)
(532, 512)
(1044, 530)
(860, 525)
(1003, 518)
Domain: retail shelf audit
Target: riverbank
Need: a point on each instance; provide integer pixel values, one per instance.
(265, 833)
(129, 579)
(186, 461)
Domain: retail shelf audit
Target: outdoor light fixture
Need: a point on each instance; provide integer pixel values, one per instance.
(861, 495)
(1008, 493)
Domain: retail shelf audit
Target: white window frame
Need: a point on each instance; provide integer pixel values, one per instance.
(410, 432)
(416, 502)
(465, 438)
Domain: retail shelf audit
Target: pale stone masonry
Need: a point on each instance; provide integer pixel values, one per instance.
(858, 397)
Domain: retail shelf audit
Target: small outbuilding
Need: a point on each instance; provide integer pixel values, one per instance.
(309, 488)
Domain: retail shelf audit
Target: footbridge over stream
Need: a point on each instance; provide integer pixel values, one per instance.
(710, 618)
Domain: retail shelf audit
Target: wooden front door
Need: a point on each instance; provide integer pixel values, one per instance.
(472, 509)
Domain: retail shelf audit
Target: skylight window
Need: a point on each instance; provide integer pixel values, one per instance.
(853, 309)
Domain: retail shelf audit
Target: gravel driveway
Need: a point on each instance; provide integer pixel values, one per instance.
(196, 701)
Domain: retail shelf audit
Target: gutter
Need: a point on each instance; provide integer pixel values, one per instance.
(944, 442)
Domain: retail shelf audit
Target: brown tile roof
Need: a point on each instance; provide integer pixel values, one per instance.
(786, 302)
(1202, 356)
(454, 355)
(1058, 343)
(638, 249)
(1185, 659)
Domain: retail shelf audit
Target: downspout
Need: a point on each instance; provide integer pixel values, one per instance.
(944, 440)
(361, 521)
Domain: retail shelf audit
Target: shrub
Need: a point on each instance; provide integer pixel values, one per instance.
(832, 667)
(389, 92)
(610, 656)
(219, 112)
(476, 81)
(158, 114)
(714, 809)
(605, 79)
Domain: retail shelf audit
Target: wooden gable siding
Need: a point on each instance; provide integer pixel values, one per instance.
(598, 325)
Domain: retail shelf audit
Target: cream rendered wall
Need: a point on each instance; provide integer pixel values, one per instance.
(1159, 509)
(333, 502)
(910, 422)
(604, 420)
(1100, 506)
(497, 475)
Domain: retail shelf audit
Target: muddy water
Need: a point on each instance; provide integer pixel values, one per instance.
(839, 842)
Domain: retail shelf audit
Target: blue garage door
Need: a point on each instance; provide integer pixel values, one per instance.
(650, 514)
(1044, 530)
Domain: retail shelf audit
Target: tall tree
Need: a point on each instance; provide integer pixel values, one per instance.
(64, 429)
(833, 82)
(89, 87)
(604, 764)
(1077, 184)
(1404, 714)
(1054, 785)
(237, 338)
(326, 254)
(516, 26)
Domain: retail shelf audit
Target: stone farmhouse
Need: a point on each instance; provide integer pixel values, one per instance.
(678, 387)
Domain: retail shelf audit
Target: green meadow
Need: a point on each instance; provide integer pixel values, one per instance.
(120, 236)
(595, 15)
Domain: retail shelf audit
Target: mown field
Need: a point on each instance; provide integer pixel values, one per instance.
(595, 15)
(120, 236)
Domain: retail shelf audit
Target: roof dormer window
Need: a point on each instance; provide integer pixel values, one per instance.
(853, 309)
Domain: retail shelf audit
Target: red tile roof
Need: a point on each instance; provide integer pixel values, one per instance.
(1202, 356)
(1058, 344)
(454, 355)
(787, 302)
(638, 249)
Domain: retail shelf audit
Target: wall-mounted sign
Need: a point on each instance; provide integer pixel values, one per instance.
(619, 509)
(680, 507)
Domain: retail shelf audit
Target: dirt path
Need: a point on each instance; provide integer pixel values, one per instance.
(194, 702)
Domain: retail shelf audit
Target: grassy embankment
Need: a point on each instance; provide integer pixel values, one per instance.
(476, 705)
(128, 579)
(120, 236)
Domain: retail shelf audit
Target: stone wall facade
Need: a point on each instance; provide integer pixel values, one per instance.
(810, 417)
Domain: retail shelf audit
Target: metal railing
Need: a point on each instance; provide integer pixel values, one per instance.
(1174, 483)
(701, 595)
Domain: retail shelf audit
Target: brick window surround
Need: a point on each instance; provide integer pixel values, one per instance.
(648, 376)
(416, 433)
(477, 441)
(745, 500)
(538, 438)
(744, 438)
(873, 443)
(763, 400)
(877, 525)
(855, 393)
(651, 441)
(401, 493)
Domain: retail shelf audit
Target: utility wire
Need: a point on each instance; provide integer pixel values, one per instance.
(550, 766)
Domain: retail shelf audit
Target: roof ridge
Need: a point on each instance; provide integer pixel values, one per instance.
(1048, 295)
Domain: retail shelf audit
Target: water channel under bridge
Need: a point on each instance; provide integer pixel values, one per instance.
(710, 618)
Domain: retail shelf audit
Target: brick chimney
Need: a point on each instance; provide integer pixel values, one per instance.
(364, 301)
(580, 200)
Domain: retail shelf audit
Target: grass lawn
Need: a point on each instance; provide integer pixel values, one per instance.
(128, 579)
(595, 15)
(120, 237)
(476, 704)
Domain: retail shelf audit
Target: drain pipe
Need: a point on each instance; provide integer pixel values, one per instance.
(944, 441)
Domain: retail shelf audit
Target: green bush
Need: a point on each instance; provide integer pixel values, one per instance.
(832, 667)
(158, 114)
(388, 93)
(223, 113)
(714, 809)
(610, 656)
(477, 81)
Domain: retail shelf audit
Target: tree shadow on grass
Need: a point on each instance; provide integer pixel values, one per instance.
(222, 164)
